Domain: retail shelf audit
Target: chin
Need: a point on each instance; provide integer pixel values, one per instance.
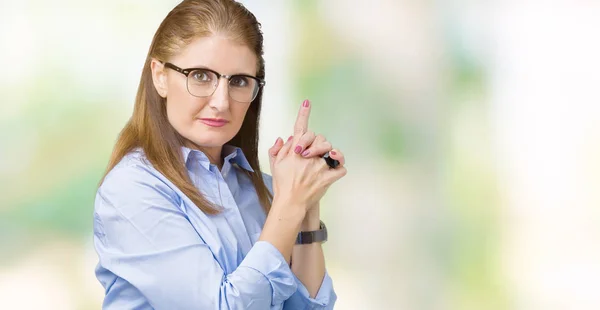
(210, 141)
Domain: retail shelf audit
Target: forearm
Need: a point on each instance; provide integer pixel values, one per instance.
(282, 226)
(308, 261)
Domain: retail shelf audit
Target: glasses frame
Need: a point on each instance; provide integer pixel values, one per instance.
(260, 82)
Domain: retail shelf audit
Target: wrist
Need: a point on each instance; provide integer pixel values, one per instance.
(287, 210)
(312, 219)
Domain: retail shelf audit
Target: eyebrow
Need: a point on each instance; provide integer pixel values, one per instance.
(205, 67)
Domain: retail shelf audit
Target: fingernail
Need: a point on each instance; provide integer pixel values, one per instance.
(290, 138)
(332, 153)
(276, 140)
(305, 153)
(298, 149)
(306, 103)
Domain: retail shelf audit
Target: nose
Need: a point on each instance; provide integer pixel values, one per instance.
(220, 98)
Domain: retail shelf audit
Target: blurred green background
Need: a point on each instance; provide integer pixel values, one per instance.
(471, 131)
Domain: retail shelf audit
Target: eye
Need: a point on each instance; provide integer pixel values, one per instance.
(239, 81)
(202, 76)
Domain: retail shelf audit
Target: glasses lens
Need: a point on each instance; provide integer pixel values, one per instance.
(243, 88)
(202, 83)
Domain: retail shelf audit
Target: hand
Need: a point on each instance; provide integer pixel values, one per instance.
(312, 147)
(306, 142)
(302, 181)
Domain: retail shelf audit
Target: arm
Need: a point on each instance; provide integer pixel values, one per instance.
(144, 238)
(315, 287)
(282, 226)
(308, 261)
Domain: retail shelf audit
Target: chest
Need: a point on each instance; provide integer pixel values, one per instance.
(230, 234)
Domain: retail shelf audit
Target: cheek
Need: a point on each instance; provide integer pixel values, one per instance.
(239, 113)
(182, 109)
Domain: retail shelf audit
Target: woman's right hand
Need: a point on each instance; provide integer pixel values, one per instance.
(298, 184)
(301, 181)
(298, 180)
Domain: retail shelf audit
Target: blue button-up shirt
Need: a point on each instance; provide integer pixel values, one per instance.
(157, 250)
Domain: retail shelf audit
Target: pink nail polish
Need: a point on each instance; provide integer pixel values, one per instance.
(306, 103)
(332, 153)
(276, 140)
(298, 149)
(290, 138)
(305, 153)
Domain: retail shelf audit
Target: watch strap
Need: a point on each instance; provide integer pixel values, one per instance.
(307, 237)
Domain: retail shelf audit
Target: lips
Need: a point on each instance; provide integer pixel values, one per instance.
(214, 122)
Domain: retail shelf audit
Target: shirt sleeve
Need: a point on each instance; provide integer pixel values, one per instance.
(144, 238)
(301, 299)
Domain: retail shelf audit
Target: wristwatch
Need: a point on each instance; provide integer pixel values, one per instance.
(307, 237)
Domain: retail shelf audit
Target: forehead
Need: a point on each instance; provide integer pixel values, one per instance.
(219, 53)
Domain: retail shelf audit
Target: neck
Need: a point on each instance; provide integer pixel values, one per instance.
(212, 152)
(214, 155)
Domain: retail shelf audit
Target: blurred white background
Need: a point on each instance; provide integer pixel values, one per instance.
(471, 128)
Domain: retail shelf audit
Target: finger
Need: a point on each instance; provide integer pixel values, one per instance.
(338, 155)
(301, 125)
(285, 149)
(333, 175)
(274, 150)
(317, 148)
(305, 141)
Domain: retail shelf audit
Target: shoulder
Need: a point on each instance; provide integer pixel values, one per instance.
(133, 179)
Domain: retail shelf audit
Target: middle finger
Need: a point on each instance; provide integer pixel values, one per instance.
(301, 125)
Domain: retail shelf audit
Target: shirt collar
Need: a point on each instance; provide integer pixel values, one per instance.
(235, 155)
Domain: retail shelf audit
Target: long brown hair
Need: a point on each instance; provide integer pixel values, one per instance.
(149, 129)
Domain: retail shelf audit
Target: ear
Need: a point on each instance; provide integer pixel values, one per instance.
(159, 77)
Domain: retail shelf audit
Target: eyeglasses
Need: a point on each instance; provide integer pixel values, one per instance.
(202, 82)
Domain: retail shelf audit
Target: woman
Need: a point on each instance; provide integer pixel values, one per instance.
(184, 217)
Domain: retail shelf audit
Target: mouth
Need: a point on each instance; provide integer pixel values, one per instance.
(214, 122)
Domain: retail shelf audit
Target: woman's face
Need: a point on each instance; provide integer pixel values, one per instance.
(188, 114)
